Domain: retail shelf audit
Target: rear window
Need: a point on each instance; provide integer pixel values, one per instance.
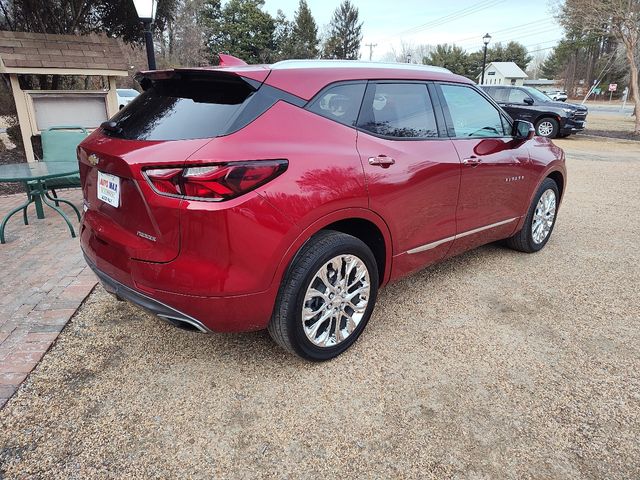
(340, 103)
(181, 109)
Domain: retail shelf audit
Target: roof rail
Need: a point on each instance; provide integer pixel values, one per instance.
(293, 64)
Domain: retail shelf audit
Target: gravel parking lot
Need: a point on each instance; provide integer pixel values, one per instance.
(494, 364)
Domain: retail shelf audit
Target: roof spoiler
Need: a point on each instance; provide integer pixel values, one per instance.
(230, 61)
(146, 79)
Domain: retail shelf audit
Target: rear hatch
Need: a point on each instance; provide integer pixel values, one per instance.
(179, 112)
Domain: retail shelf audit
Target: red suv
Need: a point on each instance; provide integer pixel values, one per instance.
(240, 198)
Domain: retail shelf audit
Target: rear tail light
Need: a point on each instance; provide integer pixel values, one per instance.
(214, 182)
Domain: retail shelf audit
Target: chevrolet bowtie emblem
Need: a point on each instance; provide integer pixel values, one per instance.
(93, 159)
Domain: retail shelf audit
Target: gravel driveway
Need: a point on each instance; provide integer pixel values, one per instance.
(495, 364)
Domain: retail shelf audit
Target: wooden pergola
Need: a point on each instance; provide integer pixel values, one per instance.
(25, 53)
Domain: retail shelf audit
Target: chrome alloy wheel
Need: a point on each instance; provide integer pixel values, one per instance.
(545, 129)
(543, 216)
(336, 300)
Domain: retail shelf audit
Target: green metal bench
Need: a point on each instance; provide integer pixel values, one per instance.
(59, 145)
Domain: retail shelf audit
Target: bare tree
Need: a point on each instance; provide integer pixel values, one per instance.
(408, 52)
(534, 67)
(619, 18)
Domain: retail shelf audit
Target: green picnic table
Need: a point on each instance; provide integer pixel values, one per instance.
(34, 177)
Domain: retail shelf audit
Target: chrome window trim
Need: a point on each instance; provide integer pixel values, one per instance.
(429, 246)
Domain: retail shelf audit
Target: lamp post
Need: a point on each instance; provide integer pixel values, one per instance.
(146, 10)
(408, 57)
(486, 39)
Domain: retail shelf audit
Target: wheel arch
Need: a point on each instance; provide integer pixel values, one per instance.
(558, 177)
(554, 116)
(362, 223)
(557, 174)
(370, 234)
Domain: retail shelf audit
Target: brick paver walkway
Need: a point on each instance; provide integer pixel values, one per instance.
(43, 280)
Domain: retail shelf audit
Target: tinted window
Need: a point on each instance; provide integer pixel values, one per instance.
(491, 91)
(181, 109)
(501, 95)
(517, 96)
(340, 103)
(471, 114)
(398, 110)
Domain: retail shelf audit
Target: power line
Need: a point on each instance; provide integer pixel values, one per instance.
(530, 33)
(536, 23)
(455, 16)
(483, 5)
(537, 44)
(512, 36)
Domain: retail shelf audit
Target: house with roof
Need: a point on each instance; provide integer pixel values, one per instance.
(24, 54)
(503, 73)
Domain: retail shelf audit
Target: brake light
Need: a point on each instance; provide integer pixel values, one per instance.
(214, 182)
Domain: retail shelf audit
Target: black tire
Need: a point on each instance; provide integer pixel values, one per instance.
(286, 326)
(550, 127)
(563, 135)
(523, 240)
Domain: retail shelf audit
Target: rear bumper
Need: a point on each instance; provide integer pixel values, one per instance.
(164, 312)
(232, 313)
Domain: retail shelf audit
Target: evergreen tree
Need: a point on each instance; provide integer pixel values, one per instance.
(282, 37)
(241, 28)
(449, 56)
(555, 63)
(304, 38)
(345, 33)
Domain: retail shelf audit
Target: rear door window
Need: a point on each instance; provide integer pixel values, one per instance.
(180, 109)
(491, 91)
(398, 110)
(501, 95)
(470, 114)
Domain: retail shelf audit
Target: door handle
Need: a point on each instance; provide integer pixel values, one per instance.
(381, 161)
(472, 161)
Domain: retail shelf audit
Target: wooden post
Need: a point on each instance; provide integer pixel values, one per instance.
(20, 99)
(112, 98)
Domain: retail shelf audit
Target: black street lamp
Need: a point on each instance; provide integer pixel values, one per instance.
(486, 39)
(146, 10)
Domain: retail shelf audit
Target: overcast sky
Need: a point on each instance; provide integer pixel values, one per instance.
(464, 22)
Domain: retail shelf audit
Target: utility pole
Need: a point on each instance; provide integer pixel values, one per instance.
(371, 47)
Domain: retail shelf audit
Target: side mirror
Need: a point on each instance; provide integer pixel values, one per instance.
(523, 130)
(528, 100)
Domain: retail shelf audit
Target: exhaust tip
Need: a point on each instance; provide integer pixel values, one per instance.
(183, 324)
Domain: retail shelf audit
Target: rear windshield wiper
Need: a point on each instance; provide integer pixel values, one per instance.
(111, 127)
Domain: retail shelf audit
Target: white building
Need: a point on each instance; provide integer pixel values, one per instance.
(503, 73)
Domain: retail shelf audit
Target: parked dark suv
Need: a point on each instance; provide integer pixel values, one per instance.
(551, 119)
